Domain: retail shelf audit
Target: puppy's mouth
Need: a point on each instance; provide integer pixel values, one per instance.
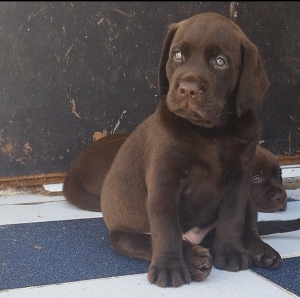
(199, 108)
(197, 118)
(267, 207)
(190, 111)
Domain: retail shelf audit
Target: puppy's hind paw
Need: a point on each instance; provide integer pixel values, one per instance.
(199, 262)
(263, 255)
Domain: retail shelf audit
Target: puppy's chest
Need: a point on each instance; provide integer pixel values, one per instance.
(216, 156)
(205, 178)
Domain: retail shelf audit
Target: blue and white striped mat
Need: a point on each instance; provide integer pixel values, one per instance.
(49, 248)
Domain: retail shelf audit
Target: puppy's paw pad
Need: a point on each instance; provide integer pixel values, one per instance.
(199, 262)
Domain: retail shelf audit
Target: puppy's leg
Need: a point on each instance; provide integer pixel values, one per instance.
(198, 259)
(131, 244)
(228, 251)
(262, 254)
(138, 246)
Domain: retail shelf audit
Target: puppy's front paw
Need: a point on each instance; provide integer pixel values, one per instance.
(231, 258)
(199, 262)
(263, 255)
(169, 273)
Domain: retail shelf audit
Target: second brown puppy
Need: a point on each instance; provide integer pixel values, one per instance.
(267, 191)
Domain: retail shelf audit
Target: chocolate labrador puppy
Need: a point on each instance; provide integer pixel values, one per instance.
(190, 160)
(267, 190)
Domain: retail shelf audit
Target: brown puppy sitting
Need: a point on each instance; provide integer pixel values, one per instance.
(267, 191)
(198, 144)
(190, 160)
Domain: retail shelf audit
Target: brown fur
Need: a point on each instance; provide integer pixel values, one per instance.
(188, 164)
(84, 179)
(199, 143)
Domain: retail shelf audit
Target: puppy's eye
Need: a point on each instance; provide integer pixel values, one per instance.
(256, 179)
(220, 62)
(178, 55)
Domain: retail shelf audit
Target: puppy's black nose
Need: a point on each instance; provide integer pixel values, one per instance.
(188, 90)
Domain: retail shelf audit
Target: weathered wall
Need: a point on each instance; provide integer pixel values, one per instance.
(69, 69)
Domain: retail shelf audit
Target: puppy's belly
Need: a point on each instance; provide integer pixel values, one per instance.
(196, 234)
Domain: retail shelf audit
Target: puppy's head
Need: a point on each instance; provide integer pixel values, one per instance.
(210, 71)
(267, 191)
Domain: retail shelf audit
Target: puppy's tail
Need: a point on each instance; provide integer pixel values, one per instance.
(278, 226)
(79, 196)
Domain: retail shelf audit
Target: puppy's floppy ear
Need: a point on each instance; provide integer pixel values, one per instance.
(253, 79)
(163, 83)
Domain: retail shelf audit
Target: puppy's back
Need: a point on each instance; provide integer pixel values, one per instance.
(83, 182)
